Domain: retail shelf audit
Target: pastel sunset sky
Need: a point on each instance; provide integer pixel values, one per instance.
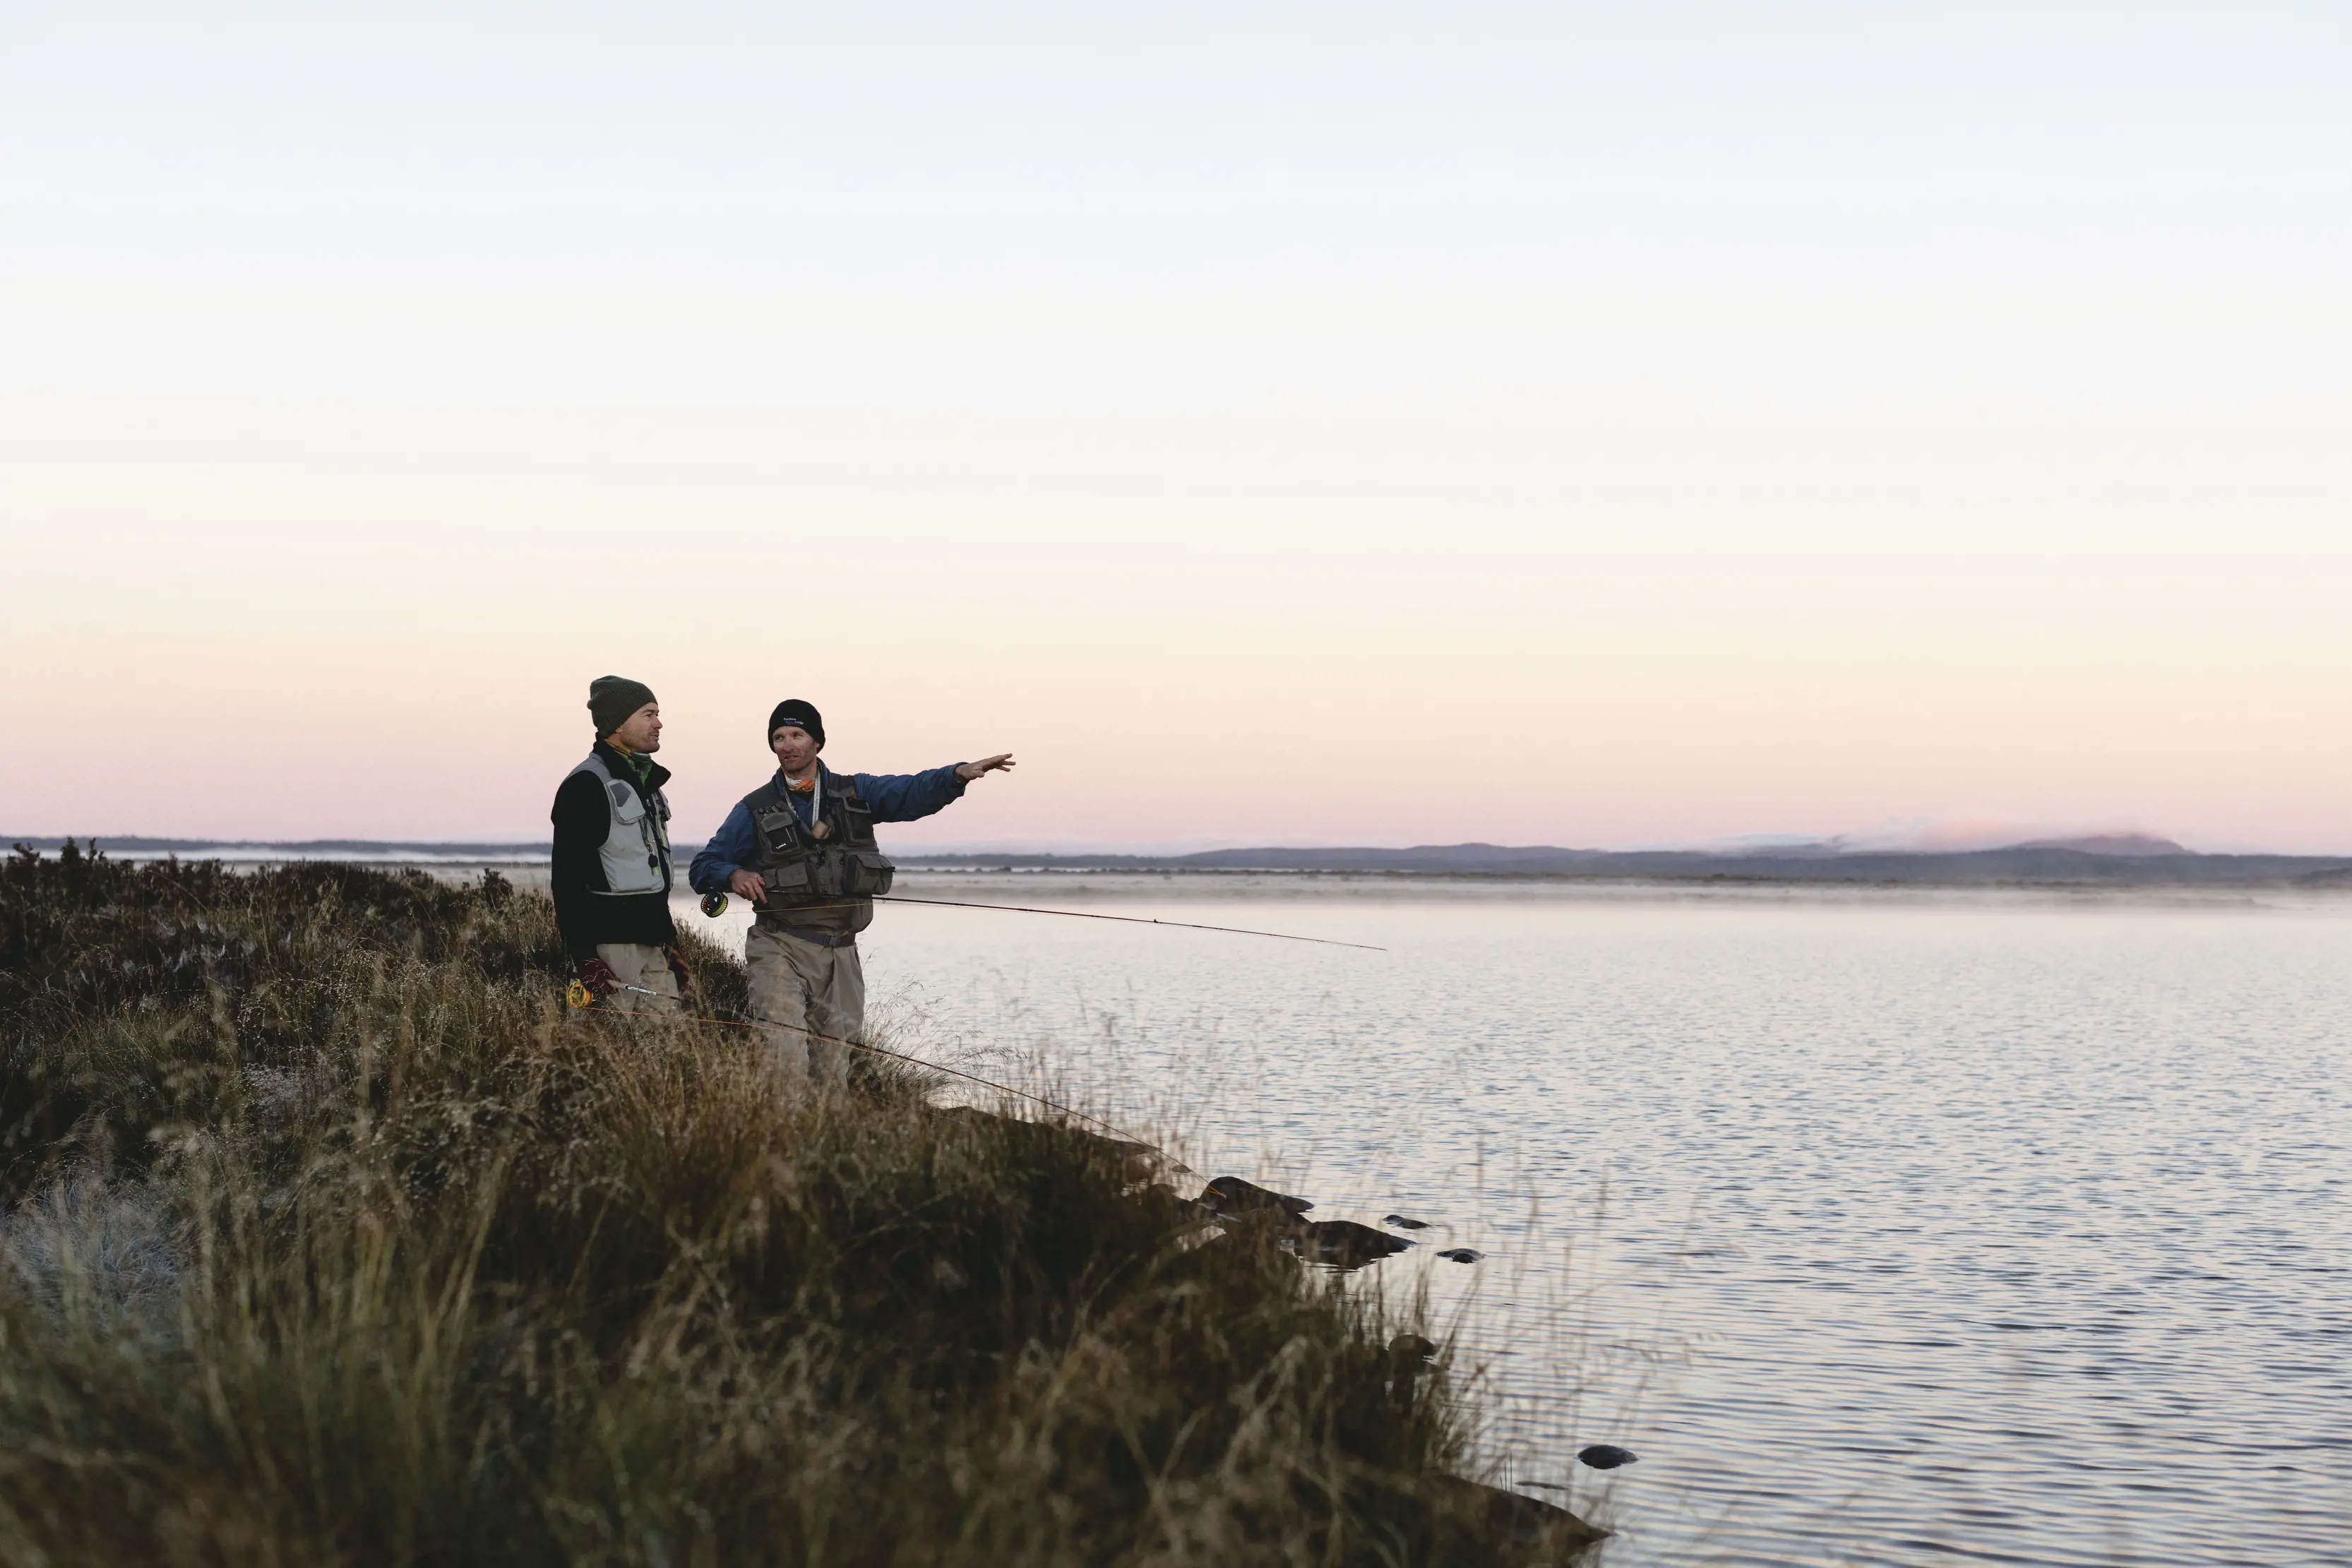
(1596, 425)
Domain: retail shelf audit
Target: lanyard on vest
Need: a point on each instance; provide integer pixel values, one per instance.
(816, 829)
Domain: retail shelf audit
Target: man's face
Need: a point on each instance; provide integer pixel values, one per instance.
(641, 731)
(795, 749)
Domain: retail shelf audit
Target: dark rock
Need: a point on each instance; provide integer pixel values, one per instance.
(1344, 1244)
(1410, 1348)
(1606, 1456)
(1230, 1197)
(1410, 1356)
(1401, 1223)
(1462, 1254)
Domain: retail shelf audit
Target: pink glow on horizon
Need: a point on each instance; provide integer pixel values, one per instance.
(1200, 724)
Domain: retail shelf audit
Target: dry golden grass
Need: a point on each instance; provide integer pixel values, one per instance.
(331, 1237)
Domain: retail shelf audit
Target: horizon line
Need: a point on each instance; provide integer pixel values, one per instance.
(1835, 846)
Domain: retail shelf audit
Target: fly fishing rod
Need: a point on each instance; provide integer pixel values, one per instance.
(714, 904)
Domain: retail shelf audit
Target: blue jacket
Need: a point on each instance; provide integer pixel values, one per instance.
(891, 797)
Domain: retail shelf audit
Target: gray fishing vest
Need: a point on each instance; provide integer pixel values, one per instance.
(821, 890)
(635, 853)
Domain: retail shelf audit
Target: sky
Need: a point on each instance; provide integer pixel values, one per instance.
(1585, 424)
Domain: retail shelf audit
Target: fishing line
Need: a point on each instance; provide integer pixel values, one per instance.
(579, 997)
(713, 904)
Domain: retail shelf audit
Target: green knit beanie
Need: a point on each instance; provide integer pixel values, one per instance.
(613, 698)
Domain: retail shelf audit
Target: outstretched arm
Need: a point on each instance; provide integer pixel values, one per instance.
(903, 797)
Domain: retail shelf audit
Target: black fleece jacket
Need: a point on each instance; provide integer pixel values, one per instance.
(577, 868)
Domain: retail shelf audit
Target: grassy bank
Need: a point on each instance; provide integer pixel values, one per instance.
(331, 1237)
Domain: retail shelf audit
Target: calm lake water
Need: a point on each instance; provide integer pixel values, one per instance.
(1885, 1228)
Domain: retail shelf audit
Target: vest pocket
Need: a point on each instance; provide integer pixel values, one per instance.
(869, 872)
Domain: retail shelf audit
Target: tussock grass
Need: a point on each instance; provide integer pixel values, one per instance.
(332, 1238)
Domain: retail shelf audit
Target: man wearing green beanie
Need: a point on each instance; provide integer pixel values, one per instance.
(610, 873)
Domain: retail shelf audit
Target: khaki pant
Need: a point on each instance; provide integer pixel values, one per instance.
(803, 987)
(634, 964)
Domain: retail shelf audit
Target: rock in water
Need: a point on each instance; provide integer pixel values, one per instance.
(1606, 1456)
(1462, 1254)
(1401, 1223)
(1344, 1244)
(1230, 1197)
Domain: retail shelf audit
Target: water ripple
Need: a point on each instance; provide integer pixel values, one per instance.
(1886, 1230)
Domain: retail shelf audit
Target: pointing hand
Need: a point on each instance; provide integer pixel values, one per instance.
(968, 771)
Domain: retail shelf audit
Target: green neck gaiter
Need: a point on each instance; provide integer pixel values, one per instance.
(639, 763)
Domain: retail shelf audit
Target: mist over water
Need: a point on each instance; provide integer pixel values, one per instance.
(1883, 1228)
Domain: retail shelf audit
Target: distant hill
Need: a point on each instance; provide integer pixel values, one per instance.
(2111, 845)
(2109, 861)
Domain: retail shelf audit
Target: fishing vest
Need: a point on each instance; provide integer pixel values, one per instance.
(636, 851)
(819, 889)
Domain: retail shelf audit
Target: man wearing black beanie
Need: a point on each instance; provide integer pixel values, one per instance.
(610, 872)
(801, 848)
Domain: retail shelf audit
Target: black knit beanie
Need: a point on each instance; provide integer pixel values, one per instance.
(791, 710)
(613, 698)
